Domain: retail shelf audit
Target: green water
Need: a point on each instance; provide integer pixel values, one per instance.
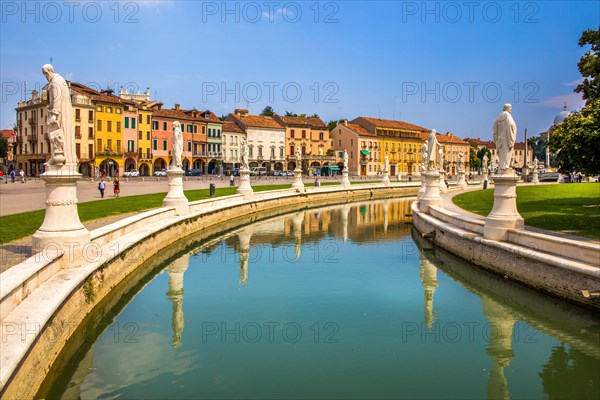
(338, 302)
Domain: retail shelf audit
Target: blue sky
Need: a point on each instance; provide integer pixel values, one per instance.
(444, 65)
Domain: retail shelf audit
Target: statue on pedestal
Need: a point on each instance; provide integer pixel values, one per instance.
(176, 162)
(424, 152)
(432, 144)
(386, 163)
(484, 164)
(244, 153)
(505, 134)
(461, 163)
(61, 132)
(298, 158)
(345, 160)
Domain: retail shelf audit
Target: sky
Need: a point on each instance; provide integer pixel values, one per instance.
(448, 65)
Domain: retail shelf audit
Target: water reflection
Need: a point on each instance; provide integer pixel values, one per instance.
(378, 282)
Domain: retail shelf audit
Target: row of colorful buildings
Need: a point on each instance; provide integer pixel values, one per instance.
(114, 134)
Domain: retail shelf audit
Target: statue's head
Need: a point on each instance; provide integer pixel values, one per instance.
(507, 107)
(433, 132)
(176, 125)
(48, 71)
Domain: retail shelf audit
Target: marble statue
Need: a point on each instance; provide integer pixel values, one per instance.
(535, 163)
(441, 157)
(61, 132)
(177, 146)
(244, 153)
(345, 159)
(424, 152)
(386, 163)
(461, 163)
(298, 158)
(505, 134)
(484, 163)
(432, 144)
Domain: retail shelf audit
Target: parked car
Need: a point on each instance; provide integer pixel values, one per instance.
(162, 172)
(289, 173)
(261, 171)
(131, 173)
(194, 172)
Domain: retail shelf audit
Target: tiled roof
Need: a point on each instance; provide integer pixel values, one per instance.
(82, 89)
(521, 146)
(300, 121)
(450, 138)
(172, 113)
(229, 126)
(8, 134)
(360, 130)
(257, 121)
(392, 124)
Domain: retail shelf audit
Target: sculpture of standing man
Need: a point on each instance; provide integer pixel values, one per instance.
(244, 153)
(424, 152)
(298, 158)
(484, 163)
(505, 134)
(432, 144)
(386, 163)
(60, 121)
(345, 159)
(176, 162)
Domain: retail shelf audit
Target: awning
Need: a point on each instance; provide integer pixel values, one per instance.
(334, 168)
(365, 152)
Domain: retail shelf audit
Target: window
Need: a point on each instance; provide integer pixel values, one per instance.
(77, 114)
(195, 128)
(303, 134)
(109, 110)
(203, 129)
(99, 108)
(140, 118)
(155, 144)
(155, 125)
(99, 145)
(339, 143)
(281, 138)
(250, 151)
(209, 132)
(250, 137)
(108, 126)
(148, 119)
(292, 134)
(78, 150)
(132, 123)
(303, 150)
(164, 144)
(109, 144)
(351, 154)
(118, 126)
(147, 135)
(90, 116)
(130, 145)
(90, 133)
(272, 152)
(99, 125)
(320, 135)
(281, 152)
(189, 146)
(118, 109)
(260, 151)
(127, 122)
(90, 150)
(190, 128)
(140, 135)
(260, 137)
(272, 138)
(351, 142)
(77, 132)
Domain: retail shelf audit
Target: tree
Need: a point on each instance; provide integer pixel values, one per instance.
(3, 147)
(332, 124)
(475, 161)
(290, 114)
(315, 115)
(575, 142)
(482, 152)
(267, 111)
(589, 66)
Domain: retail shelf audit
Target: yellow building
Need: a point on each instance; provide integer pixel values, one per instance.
(83, 115)
(400, 140)
(109, 120)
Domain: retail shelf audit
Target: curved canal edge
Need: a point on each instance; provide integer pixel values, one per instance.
(44, 299)
(561, 267)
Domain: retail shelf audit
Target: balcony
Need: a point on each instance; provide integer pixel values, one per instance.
(32, 138)
(109, 151)
(33, 121)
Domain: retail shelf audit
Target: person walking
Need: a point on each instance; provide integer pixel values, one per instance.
(231, 179)
(12, 176)
(101, 187)
(117, 186)
(22, 175)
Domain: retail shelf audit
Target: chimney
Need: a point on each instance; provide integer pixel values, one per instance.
(177, 107)
(345, 122)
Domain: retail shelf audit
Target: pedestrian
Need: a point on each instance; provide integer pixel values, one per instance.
(22, 175)
(117, 186)
(12, 176)
(231, 179)
(101, 187)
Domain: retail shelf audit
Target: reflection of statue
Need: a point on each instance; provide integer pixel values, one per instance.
(432, 144)
(244, 153)
(505, 134)
(60, 125)
(175, 273)
(345, 159)
(177, 146)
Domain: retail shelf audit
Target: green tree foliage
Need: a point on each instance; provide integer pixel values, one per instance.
(268, 111)
(539, 144)
(575, 142)
(332, 124)
(3, 147)
(482, 152)
(589, 66)
(475, 161)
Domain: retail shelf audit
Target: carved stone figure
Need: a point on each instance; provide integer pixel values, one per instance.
(484, 163)
(177, 146)
(60, 120)
(386, 163)
(432, 144)
(244, 153)
(505, 134)
(441, 158)
(461, 163)
(424, 156)
(345, 159)
(298, 158)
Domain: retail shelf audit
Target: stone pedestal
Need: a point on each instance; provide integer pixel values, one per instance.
(386, 178)
(175, 197)
(245, 187)
(421, 191)
(431, 197)
(535, 179)
(62, 230)
(442, 182)
(504, 214)
(298, 184)
(345, 181)
(461, 183)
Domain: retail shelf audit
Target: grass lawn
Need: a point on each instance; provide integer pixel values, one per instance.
(572, 208)
(17, 226)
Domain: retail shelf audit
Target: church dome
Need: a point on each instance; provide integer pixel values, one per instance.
(560, 117)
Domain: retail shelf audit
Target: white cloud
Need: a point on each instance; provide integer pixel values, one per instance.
(573, 100)
(573, 83)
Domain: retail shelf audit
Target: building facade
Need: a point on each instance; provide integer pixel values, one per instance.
(231, 145)
(357, 141)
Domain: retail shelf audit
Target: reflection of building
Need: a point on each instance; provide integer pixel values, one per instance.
(428, 274)
(175, 273)
(500, 330)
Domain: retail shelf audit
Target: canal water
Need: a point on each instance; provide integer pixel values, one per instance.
(338, 302)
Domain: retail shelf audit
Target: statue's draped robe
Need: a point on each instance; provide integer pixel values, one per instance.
(59, 103)
(505, 133)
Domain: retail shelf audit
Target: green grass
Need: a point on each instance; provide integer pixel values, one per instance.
(17, 226)
(572, 208)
